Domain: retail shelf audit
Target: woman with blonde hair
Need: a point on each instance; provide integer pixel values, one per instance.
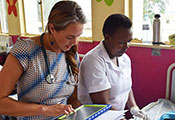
(44, 67)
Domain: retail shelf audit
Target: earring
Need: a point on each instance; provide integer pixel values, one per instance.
(51, 39)
(52, 42)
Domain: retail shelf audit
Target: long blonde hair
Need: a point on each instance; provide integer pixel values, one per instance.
(62, 14)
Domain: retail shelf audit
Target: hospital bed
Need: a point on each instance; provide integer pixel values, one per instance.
(156, 109)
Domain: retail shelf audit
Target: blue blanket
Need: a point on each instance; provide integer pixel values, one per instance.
(169, 115)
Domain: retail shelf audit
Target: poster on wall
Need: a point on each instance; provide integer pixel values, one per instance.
(12, 7)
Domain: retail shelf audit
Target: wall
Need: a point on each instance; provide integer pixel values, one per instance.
(149, 73)
(100, 11)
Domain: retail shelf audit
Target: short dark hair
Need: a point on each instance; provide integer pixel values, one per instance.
(115, 21)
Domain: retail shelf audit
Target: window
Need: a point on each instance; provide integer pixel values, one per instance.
(47, 6)
(36, 22)
(32, 16)
(3, 17)
(143, 16)
(86, 7)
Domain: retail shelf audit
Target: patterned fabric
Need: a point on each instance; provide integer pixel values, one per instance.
(32, 87)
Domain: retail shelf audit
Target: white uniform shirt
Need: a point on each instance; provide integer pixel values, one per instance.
(99, 73)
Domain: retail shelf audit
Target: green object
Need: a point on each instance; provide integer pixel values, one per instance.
(87, 112)
(108, 2)
(98, 0)
(172, 39)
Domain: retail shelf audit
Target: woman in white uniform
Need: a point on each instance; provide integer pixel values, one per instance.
(105, 71)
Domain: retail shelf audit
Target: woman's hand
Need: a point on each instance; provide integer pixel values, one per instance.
(135, 111)
(57, 110)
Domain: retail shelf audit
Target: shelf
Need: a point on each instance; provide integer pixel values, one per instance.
(149, 45)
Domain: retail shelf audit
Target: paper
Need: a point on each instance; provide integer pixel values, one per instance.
(112, 115)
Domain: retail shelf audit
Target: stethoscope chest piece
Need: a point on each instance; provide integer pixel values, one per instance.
(50, 79)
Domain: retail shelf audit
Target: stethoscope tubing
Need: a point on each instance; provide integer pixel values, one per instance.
(44, 52)
(49, 77)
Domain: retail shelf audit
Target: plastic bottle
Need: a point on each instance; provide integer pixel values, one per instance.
(146, 30)
(156, 29)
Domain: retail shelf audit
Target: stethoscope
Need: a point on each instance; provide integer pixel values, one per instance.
(50, 79)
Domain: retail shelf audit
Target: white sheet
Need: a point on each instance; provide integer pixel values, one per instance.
(156, 109)
(111, 115)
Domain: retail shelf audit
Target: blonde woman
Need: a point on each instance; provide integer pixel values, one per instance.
(44, 67)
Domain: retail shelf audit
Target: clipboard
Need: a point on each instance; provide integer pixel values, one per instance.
(86, 112)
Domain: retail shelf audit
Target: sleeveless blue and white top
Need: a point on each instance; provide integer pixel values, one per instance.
(32, 87)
